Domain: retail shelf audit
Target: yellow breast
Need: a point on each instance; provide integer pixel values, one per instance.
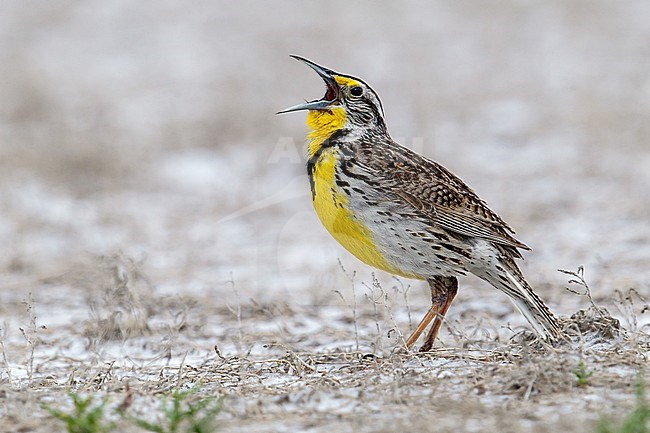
(332, 210)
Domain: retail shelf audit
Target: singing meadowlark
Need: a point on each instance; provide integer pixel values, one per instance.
(403, 213)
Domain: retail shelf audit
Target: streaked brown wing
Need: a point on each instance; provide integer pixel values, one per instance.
(433, 192)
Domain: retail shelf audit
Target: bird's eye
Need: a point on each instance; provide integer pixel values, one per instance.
(356, 91)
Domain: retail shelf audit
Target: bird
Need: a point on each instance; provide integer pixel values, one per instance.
(403, 213)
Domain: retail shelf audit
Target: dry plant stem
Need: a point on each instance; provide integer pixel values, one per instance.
(404, 290)
(237, 312)
(4, 356)
(180, 371)
(354, 303)
(30, 336)
(389, 310)
(375, 311)
(580, 280)
(408, 307)
(354, 314)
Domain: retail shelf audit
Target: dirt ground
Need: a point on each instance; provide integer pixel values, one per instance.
(157, 234)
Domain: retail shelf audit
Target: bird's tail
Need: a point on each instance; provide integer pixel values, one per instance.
(509, 280)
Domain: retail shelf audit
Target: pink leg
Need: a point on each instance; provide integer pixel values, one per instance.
(443, 291)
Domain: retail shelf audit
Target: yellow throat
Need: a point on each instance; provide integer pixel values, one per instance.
(323, 124)
(330, 203)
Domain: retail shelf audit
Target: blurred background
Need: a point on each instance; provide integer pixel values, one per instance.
(147, 129)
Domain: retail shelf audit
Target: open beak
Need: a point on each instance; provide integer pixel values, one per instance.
(331, 89)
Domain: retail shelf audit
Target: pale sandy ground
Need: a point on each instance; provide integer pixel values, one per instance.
(154, 206)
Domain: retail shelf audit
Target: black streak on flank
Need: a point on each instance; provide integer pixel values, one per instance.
(311, 163)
